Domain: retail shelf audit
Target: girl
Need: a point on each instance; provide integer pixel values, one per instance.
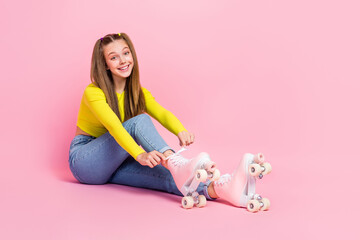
(112, 124)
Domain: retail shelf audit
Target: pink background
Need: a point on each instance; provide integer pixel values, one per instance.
(278, 77)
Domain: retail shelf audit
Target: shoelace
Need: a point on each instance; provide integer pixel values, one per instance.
(223, 179)
(177, 159)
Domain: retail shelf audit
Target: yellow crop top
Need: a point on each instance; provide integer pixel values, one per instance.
(96, 117)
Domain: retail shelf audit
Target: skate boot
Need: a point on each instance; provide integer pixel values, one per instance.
(188, 173)
(239, 187)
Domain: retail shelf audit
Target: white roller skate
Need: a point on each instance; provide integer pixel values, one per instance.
(239, 188)
(188, 173)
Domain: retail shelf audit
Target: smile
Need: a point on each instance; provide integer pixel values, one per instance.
(124, 68)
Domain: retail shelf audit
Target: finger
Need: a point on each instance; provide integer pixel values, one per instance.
(154, 162)
(181, 142)
(161, 156)
(163, 162)
(154, 155)
(192, 137)
(149, 163)
(187, 140)
(156, 158)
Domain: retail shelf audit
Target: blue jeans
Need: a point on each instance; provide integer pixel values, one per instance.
(102, 160)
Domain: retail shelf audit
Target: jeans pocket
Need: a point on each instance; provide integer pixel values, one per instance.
(80, 139)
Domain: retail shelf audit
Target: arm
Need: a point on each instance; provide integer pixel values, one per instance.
(162, 115)
(96, 101)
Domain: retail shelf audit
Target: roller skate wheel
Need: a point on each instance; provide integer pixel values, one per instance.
(261, 157)
(210, 166)
(255, 169)
(201, 175)
(187, 202)
(202, 201)
(253, 206)
(215, 175)
(266, 205)
(267, 167)
(257, 197)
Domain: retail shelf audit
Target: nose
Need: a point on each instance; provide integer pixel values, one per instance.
(122, 59)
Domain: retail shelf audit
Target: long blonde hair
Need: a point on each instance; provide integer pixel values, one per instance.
(134, 101)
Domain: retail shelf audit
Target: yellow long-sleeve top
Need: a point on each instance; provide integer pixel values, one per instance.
(96, 117)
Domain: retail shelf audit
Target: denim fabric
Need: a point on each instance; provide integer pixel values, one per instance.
(102, 160)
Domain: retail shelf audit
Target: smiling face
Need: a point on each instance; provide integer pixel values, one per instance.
(118, 59)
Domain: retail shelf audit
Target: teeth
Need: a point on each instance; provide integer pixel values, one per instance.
(124, 67)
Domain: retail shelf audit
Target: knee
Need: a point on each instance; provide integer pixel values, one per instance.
(137, 122)
(142, 118)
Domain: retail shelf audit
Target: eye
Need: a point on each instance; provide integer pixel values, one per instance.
(112, 58)
(127, 53)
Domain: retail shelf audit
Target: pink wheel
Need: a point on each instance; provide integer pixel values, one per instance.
(266, 203)
(267, 167)
(259, 158)
(201, 175)
(202, 201)
(255, 169)
(253, 206)
(187, 202)
(210, 166)
(215, 175)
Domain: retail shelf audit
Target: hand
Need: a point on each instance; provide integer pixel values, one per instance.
(185, 138)
(150, 159)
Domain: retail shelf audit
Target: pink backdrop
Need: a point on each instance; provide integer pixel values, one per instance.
(278, 77)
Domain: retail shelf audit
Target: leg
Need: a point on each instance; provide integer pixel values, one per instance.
(132, 173)
(99, 160)
(94, 160)
(211, 191)
(144, 133)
